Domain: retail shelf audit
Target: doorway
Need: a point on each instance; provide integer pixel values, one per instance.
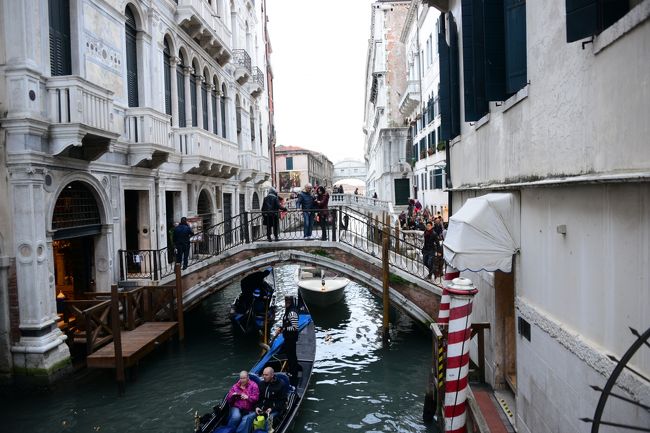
(172, 215)
(227, 217)
(506, 355)
(401, 191)
(136, 230)
(74, 267)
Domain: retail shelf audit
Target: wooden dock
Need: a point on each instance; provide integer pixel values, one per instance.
(135, 344)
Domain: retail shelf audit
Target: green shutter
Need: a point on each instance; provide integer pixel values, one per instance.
(495, 54)
(60, 57)
(180, 85)
(445, 81)
(438, 178)
(581, 19)
(515, 33)
(223, 110)
(204, 100)
(195, 114)
(131, 58)
(473, 60)
(168, 79)
(454, 77)
(215, 125)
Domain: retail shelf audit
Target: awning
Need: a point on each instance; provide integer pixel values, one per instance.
(484, 233)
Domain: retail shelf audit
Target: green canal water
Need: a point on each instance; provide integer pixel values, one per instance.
(358, 385)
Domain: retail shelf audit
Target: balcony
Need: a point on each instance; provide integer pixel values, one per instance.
(250, 166)
(242, 62)
(410, 99)
(149, 135)
(205, 153)
(257, 83)
(81, 116)
(199, 20)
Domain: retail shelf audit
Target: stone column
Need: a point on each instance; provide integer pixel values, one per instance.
(187, 71)
(103, 259)
(41, 350)
(173, 61)
(461, 292)
(199, 101)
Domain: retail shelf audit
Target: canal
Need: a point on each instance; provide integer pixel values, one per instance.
(358, 385)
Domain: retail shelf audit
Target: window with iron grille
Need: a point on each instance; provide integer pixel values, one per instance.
(75, 207)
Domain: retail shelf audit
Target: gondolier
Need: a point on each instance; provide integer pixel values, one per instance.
(289, 331)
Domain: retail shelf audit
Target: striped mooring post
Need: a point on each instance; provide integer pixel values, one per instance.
(461, 293)
(443, 311)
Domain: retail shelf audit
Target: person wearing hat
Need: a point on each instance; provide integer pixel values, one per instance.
(270, 213)
(289, 331)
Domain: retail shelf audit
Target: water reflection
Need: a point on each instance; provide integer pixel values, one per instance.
(358, 384)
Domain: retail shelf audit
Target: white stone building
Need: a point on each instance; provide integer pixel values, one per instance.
(563, 128)
(388, 170)
(419, 106)
(349, 169)
(117, 118)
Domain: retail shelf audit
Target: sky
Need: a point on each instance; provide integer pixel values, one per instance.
(319, 66)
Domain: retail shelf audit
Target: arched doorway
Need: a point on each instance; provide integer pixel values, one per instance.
(76, 223)
(204, 209)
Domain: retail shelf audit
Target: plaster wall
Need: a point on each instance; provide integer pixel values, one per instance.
(583, 111)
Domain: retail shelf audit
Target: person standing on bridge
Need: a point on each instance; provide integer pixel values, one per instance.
(429, 248)
(182, 235)
(322, 200)
(270, 213)
(307, 203)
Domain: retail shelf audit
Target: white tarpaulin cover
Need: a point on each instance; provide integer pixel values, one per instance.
(484, 233)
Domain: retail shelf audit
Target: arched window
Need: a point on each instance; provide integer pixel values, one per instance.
(168, 78)
(60, 58)
(180, 80)
(252, 125)
(193, 95)
(131, 33)
(256, 201)
(213, 101)
(204, 99)
(223, 111)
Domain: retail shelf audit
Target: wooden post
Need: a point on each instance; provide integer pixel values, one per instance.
(397, 238)
(117, 339)
(179, 303)
(385, 278)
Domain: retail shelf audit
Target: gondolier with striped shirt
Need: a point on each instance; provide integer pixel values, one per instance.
(289, 331)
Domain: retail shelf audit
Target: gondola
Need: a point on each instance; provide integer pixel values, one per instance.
(254, 308)
(318, 289)
(274, 357)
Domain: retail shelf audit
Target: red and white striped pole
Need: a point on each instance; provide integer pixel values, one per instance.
(443, 311)
(461, 292)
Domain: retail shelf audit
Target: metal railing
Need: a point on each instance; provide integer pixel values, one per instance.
(258, 77)
(341, 224)
(242, 59)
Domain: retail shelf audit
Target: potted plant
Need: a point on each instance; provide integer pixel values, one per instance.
(430, 151)
(441, 145)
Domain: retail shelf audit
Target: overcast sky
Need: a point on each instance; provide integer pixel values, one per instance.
(319, 60)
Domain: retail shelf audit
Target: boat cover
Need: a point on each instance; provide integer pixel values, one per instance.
(484, 233)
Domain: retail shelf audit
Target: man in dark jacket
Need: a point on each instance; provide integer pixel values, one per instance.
(430, 247)
(270, 213)
(307, 203)
(182, 235)
(322, 201)
(290, 331)
(272, 400)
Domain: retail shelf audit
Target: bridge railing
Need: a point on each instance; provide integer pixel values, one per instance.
(344, 224)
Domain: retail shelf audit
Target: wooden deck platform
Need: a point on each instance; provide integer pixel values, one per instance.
(135, 344)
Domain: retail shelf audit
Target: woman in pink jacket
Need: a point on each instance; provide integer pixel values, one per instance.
(242, 399)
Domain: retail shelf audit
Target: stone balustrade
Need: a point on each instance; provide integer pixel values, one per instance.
(197, 145)
(149, 133)
(201, 21)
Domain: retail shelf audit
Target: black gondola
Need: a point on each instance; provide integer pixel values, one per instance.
(306, 351)
(254, 308)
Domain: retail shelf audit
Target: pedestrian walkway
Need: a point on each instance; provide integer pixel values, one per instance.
(491, 410)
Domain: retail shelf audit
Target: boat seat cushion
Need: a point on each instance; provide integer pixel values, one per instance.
(255, 378)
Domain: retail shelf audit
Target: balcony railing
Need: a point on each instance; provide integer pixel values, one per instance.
(242, 59)
(199, 143)
(258, 77)
(78, 110)
(149, 133)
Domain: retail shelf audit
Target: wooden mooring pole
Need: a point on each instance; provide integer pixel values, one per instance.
(117, 339)
(385, 283)
(179, 303)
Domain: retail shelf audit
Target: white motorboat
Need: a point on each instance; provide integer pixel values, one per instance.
(318, 289)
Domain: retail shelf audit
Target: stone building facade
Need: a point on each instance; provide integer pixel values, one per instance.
(296, 167)
(388, 171)
(117, 118)
(549, 103)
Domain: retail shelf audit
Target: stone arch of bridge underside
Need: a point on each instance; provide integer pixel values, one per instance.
(420, 300)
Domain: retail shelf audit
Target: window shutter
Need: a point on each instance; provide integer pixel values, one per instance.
(223, 114)
(581, 19)
(168, 80)
(473, 60)
(195, 117)
(438, 178)
(495, 55)
(131, 58)
(454, 78)
(445, 81)
(215, 125)
(515, 34)
(204, 99)
(180, 85)
(59, 16)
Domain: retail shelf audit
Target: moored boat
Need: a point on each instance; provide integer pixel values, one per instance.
(275, 358)
(318, 289)
(254, 309)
